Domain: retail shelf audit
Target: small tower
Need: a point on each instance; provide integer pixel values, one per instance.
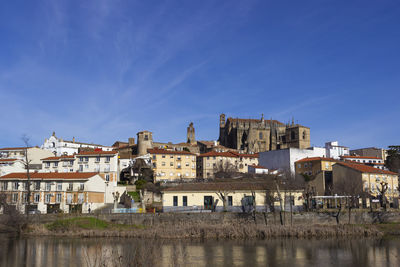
(144, 142)
(190, 134)
(222, 120)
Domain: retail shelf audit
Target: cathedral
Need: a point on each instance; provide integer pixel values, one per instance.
(253, 136)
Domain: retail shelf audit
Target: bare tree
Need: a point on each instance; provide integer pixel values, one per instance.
(27, 162)
(224, 169)
(352, 188)
(382, 194)
(223, 195)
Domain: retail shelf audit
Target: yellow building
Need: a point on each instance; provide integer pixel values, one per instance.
(209, 162)
(172, 165)
(371, 178)
(319, 172)
(207, 196)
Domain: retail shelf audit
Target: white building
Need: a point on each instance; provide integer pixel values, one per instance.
(284, 159)
(333, 150)
(60, 147)
(103, 162)
(257, 169)
(371, 161)
(11, 165)
(35, 154)
(54, 192)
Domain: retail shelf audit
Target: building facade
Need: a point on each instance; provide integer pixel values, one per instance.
(210, 163)
(55, 192)
(170, 165)
(371, 178)
(367, 160)
(253, 136)
(370, 152)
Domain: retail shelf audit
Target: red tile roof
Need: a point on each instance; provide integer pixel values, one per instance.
(230, 154)
(14, 148)
(96, 153)
(51, 175)
(59, 158)
(315, 159)
(7, 160)
(359, 157)
(168, 152)
(365, 168)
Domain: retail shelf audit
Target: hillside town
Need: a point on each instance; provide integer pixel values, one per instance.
(254, 165)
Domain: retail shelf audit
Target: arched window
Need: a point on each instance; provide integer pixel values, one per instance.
(54, 144)
(293, 135)
(260, 135)
(304, 135)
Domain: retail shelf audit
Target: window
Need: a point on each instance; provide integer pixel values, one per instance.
(97, 159)
(154, 157)
(37, 185)
(80, 159)
(299, 165)
(171, 157)
(47, 164)
(59, 186)
(260, 136)
(71, 163)
(293, 135)
(36, 197)
(184, 201)
(178, 158)
(14, 197)
(25, 197)
(304, 135)
(70, 187)
(175, 200)
(86, 159)
(163, 156)
(230, 201)
(58, 198)
(171, 164)
(15, 186)
(81, 168)
(97, 168)
(187, 164)
(48, 198)
(107, 177)
(154, 165)
(86, 166)
(81, 198)
(187, 174)
(82, 186)
(108, 158)
(171, 174)
(5, 185)
(163, 163)
(48, 186)
(55, 164)
(146, 137)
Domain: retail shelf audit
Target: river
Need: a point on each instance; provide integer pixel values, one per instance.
(46, 251)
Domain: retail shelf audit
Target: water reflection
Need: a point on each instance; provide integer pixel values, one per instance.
(138, 252)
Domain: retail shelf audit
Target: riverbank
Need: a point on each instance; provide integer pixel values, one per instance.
(93, 227)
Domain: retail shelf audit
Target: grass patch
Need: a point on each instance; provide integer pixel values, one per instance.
(135, 196)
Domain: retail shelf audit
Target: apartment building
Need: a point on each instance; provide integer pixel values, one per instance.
(55, 191)
(371, 178)
(105, 163)
(319, 173)
(35, 154)
(209, 163)
(172, 165)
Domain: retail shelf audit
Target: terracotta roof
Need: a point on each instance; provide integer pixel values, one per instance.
(229, 185)
(168, 152)
(365, 168)
(59, 158)
(51, 175)
(230, 154)
(254, 120)
(95, 153)
(7, 160)
(14, 148)
(315, 159)
(359, 157)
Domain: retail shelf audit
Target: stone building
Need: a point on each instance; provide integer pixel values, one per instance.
(253, 136)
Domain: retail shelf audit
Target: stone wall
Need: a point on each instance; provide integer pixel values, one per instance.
(305, 218)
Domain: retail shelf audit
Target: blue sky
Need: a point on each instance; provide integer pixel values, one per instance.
(103, 70)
